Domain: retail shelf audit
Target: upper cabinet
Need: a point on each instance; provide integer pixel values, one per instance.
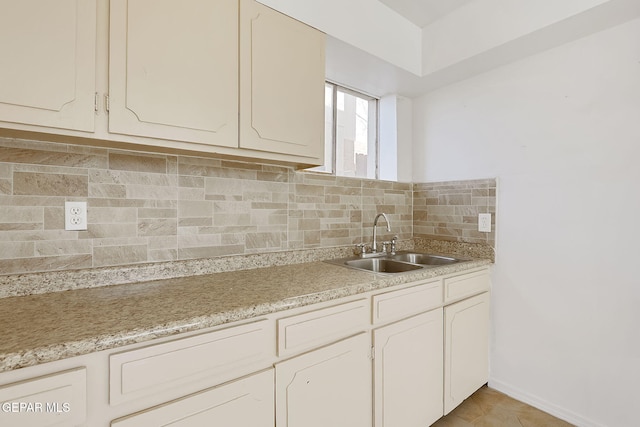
(231, 77)
(48, 52)
(281, 83)
(173, 70)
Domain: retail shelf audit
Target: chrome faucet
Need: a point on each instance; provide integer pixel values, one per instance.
(374, 246)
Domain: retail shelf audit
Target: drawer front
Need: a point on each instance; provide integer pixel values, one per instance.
(316, 328)
(166, 369)
(465, 285)
(53, 400)
(403, 303)
(246, 402)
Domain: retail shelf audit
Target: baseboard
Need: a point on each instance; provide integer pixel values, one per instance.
(542, 404)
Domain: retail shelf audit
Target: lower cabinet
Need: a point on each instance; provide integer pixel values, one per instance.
(466, 349)
(387, 358)
(59, 399)
(242, 403)
(330, 386)
(408, 371)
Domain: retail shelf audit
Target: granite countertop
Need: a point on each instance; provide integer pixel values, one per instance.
(41, 328)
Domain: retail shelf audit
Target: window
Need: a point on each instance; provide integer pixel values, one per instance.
(351, 133)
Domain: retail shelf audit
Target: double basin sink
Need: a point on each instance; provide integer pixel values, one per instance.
(400, 262)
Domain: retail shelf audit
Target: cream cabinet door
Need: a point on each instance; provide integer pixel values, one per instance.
(56, 400)
(466, 351)
(48, 51)
(330, 386)
(173, 70)
(408, 371)
(282, 68)
(242, 403)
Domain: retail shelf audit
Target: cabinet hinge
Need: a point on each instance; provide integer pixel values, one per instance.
(372, 355)
(106, 102)
(95, 102)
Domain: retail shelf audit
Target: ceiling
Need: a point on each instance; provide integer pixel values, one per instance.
(424, 12)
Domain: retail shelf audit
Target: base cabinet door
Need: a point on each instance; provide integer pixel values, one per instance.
(408, 371)
(330, 386)
(242, 403)
(466, 352)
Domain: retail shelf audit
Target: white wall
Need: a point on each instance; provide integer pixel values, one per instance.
(561, 132)
(395, 138)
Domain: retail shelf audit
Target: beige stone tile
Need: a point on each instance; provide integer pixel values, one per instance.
(130, 178)
(119, 255)
(39, 264)
(6, 170)
(53, 218)
(152, 192)
(162, 242)
(100, 215)
(191, 181)
(264, 241)
(194, 222)
(10, 250)
(21, 214)
(120, 241)
(100, 231)
(51, 158)
(138, 162)
(26, 144)
(157, 212)
(41, 184)
(157, 227)
(209, 251)
(195, 209)
(6, 186)
(64, 247)
(117, 191)
(191, 193)
(163, 255)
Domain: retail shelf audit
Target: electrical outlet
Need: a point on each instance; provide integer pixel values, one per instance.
(484, 222)
(75, 215)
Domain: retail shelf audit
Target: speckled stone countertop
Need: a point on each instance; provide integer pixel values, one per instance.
(41, 328)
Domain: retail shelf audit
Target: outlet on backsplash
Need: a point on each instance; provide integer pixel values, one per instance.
(75, 216)
(484, 222)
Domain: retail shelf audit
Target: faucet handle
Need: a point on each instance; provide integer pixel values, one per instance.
(384, 246)
(359, 249)
(394, 241)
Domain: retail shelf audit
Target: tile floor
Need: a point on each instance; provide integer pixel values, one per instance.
(490, 408)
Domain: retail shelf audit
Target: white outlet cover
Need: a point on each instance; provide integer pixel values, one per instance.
(75, 216)
(484, 222)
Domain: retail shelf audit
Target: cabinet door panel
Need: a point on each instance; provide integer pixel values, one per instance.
(408, 371)
(242, 403)
(330, 386)
(55, 400)
(282, 83)
(174, 70)
(466, 352)
(47, 75)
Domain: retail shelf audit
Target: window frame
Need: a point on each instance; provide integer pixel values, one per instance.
(375, 144)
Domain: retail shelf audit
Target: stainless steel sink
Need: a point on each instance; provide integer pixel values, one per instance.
(424, 259)
(382, 265)
(401, 262)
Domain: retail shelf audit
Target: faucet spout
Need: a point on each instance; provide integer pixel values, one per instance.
(374, 246)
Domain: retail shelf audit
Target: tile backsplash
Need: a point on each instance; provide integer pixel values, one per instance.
(449, 210)
(154, 207)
